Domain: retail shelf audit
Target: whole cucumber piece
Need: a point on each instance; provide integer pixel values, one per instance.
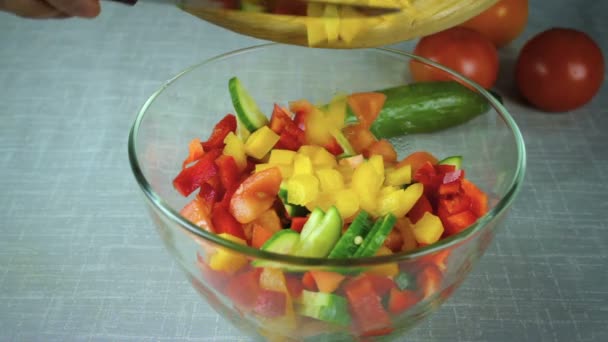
(425, 107)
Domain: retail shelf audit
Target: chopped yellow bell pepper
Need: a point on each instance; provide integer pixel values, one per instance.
(322, 158)
(281, 157)
(366, 182)
(261, 142)
(302, 189)
(330, 179)
(336, 111)
(386, 270)
(286, 170)
(387, 190)
(317, 128)
(274, 280)
(332, 22)
(324, 200)
(309, 150)
(399, 176)
(399, 202)
(350, 23)
(428, 229)
(302, 165)
(378, 163)
(225, 260)
(236, 149)
(315, 27)
(347, 202)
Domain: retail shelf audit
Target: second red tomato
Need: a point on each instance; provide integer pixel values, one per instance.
(461, 49)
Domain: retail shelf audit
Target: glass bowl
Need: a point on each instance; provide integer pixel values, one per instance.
(189, 105)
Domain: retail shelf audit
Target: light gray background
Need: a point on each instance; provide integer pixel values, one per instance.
(80, 261)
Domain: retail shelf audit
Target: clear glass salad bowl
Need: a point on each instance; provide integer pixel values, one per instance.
(190, 104)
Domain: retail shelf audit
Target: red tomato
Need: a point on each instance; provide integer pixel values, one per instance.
(502, 22)
(559, 69)
(255, 195)
(461, 49)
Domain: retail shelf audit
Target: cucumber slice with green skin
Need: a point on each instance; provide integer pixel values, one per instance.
(293, 210)
(247, 111)
(424, 107)
(315, 219)
(456, 161)
(317, 239)
(324, 306)
(374, 240)
(347, 245)
(282, 242)
(404, 281)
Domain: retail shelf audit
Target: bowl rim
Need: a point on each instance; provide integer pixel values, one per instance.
(156, 200)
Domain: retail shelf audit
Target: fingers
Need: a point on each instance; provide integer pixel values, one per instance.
(30, 8)
(78, 8)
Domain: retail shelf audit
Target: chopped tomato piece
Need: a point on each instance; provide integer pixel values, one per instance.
(297, 223)
(366, 106)
(243, 289)
(224, 222)
(370, 318)
(421, 207)
(359, 137)
(479, 199)
(260, 236)
(255, 195)
(270, 303)
(294, 285)
(456, 223)
(384, 148)
(220, 131)
(198, 212)
(195, 152)
(455, 204)
(191, 178)
(399, 301)
(309, 283)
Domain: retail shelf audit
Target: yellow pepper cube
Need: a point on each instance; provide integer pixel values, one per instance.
(332, 22)
(309, 150)
(281, 157)
(330, 179)
(386, 190)
(378, 163)
(428, 229)
(386, 270)
(350, 23)
(235, 148)
(323, 158)
(399, 176)
(302, 165)
(366, 183)
(347, 202)
(302, 189)
(324, 200)
(317, 128)
(336, 111)
(400, 202)
(225, 260)
(261, 142)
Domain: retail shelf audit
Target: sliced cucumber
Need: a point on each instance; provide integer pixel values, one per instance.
(348, 150)
(282, 242)
(293, 210)
(246, 109)
(376, 237)
(404, 281)
(348, 243)
(324, 306)
(456, 161)
(318, 238)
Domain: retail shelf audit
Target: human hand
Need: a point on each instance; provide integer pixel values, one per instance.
(42, 9)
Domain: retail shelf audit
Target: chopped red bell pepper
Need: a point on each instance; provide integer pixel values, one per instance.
(270, 303)
(224, 222)
(370, 318)
(381, 284)
(444, 168)
(297, 223)
(399, 301)
(479, 199)
(243, 288)
(453, 176)
(451, 188)
(228, 172)
(195, 152)
(456, 223)
(191, 178)
(294, 285)
(333, 147)
(421, 207)
(209, 194)
(309, 283)
(288, 141)
(427, 175)
(220, 131)
(290, 136)
(455, 204)
(279, 119)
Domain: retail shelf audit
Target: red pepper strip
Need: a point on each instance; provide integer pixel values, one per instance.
(287, 142)
(270, 303)
(195, 152)
(209, 194)
(217, 279)
(399, 301)
(228, 172)
(421, 207)
(243, 289)
(294, 286)
(220, 131)
(428, 280)
(454, 176)
(479, 199)
(333, 147)
(458, 222)
(224, 222)
(447, 189)
(309, 283)
(366, 307)
(191, 178)
(279, 119)
(297, 223)
(382, 285)
(443, 168)
(455, 204)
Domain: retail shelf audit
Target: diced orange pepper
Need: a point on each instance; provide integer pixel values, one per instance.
(417, 159)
